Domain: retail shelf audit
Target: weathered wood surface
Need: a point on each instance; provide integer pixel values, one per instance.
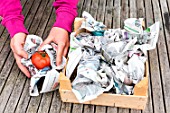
(39, 18)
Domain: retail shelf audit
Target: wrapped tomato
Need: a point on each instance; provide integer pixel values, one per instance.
(40, 59)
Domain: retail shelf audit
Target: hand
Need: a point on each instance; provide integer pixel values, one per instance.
(16, 44)
(61, 38)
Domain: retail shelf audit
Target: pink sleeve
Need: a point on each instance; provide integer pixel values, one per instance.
(12, 19)
(66, 11)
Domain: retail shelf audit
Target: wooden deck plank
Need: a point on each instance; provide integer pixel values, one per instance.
(140, 9)
(116, 14)
(112, 110)
(162, 55)
(33, 104)
(77, 108)
(135, 111)
(165, 68)
(56, 103)
(44, 22)
(80, 6)
(94, 8)
(39, 15)
(17, 91)
(45, 103)
(4, 54)
(31, 13)
(5, 95)
(100, 109)
(154, 70)
(108, 17)
(45, 30)
(88, 109)
(24, 99)
(124, 11)
(168, 2)
(149, 106)
(2, 28)
(3, 39)
(123, 110)
(66, 107)
(133, 9)
(149, 21)
(6, 71)
(86, 6)
(156, 86)
(101, 10)
(166, 23)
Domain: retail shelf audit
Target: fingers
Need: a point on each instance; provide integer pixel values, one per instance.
(18, 49)
(20, 52)
(22, 68)
(46, 41)
(17, 43)
(23, 54)
(60, 52)
(66, 51)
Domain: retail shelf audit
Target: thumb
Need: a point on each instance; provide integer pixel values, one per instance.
(46, 41)
(59, 54)
(23, 54)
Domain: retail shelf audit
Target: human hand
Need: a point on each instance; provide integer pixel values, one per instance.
(60, 37)
(16, 44)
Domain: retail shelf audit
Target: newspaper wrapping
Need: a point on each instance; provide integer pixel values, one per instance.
(50, 74)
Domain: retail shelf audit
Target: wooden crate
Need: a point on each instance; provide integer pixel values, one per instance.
(136, 101)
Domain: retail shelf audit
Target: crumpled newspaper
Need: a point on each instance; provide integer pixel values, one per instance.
(50, 74)
(112, 62)
(91, 25)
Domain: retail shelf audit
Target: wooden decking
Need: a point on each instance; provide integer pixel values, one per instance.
(39, 18)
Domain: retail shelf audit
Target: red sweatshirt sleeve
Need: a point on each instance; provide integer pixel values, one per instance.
(12, 19)
(66, 11)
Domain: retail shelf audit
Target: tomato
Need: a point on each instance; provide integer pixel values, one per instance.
(40, 59)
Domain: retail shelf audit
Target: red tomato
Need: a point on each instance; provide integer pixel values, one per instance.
(40, 59)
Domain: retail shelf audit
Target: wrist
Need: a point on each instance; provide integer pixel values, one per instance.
(64, 20)
(59, 32)
(15, 26)
(18, 37)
